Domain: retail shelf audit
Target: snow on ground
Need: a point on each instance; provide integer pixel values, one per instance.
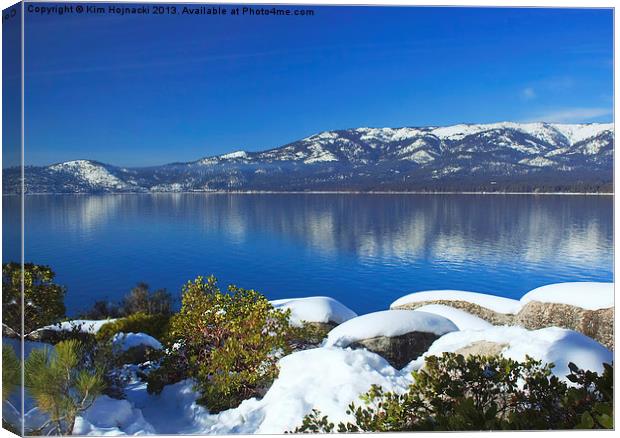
(108, 416)
(323, 378)
(587, 295)
(460, 318)
(326, 378)
(498, 304)
(125, 341)
(551, 344)
(91, 326)
(387, 323)
(315, 309)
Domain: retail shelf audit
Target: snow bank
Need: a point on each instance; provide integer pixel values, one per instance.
(551, 344)
(387, 323)
(492, 302)
(108, 416)
(91, 326)
(463, 320)
(315, 309)
(326, 378)
(587, 295)
(323, 378)
(125, 341)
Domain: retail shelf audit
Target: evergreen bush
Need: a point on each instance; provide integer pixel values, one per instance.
(44, 300)
(228, 342)
(11, 372)
(457, 393)
(62, 385)
(153, 325)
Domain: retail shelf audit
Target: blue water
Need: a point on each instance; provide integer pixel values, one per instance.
(364, 250)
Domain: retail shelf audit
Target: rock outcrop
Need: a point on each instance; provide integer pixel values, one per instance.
(596, 324)
(398, 350)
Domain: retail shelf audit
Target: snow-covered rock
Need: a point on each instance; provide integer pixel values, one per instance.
(551, 344)
(462, 319)
(315, 309)
(587, 295)
(492, 302)
(388, 323)
(125, 341)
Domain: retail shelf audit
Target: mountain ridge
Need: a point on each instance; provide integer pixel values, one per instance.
(480, 157)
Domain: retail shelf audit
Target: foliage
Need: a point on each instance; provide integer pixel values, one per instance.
(308, 335)
(62, 384)
(229, 342)
(139, 300)
(589, 404)
(102, 309)
(42, 297)
(453, 392)
(11, 371)
(154, 325)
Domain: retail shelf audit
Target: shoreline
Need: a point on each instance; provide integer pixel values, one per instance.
(321, 192)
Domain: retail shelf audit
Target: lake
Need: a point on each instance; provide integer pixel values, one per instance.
(363, 250)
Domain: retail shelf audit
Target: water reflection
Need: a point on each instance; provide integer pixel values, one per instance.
(344, 239)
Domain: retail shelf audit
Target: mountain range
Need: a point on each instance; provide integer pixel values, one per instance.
(505, 156)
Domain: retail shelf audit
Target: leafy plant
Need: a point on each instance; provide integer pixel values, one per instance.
(11, 371)
(154, 325)
(453, 392)
(43, 299)
(61, 384)
(589, 404)
(229, 342)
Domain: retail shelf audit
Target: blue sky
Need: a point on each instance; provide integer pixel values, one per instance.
(143, 90)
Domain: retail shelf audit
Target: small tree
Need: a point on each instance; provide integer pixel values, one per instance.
(11, 376)
(44, 300)
(61, 384)
(230, 343)
(141, 300)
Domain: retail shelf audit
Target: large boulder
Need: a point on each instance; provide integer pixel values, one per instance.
(399, 336)
(586, 307)
(597, 324)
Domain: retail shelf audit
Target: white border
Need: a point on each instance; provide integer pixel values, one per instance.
(479, 3)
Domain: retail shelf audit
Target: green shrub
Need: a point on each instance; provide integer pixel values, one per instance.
(455, 393)
(44, 299)
(228, 342)
(11, 375)
(61, 384)
(154, 325)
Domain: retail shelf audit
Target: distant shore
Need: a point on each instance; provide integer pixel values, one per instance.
(325, 192)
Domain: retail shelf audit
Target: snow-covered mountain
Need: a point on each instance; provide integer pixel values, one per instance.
(498, 156)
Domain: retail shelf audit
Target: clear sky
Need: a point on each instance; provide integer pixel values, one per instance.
(143, 90)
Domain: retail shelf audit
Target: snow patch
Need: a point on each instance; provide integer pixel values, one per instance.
(315, 309)
(387, 323)
(125, 341)
(551, 344)
(232, 155)
(91, 326)
(463, 320)
(587, 295)
(498, 304)
(94, 174)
